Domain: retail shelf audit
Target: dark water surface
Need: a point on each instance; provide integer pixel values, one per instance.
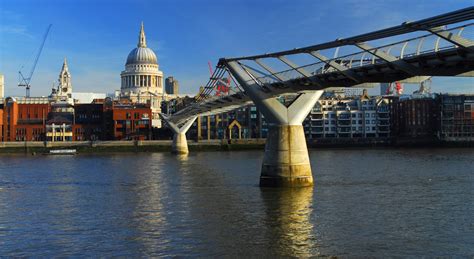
(400, 202)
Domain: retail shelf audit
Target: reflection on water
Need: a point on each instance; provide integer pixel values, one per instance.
(365, 203)
(288, 213)
(182, 157)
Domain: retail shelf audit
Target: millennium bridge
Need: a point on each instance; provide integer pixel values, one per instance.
(442, 45)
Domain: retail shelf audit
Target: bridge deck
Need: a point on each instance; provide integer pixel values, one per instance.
(441, 52)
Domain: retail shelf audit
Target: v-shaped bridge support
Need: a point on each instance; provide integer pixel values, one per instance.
(286, 161)
(180, 143)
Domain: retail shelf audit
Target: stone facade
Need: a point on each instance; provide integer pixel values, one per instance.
(142, 81)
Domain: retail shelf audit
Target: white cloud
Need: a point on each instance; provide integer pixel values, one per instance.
(15, 29)
(11, 23)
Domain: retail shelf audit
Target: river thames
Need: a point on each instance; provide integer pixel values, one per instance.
(365, 202)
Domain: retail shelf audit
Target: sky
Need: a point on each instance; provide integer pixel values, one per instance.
(96, 36)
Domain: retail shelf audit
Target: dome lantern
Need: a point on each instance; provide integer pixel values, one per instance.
(142, 38)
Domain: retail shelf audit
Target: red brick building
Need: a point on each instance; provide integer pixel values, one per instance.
(23, 119)
(36, 119)
(128, 121)
(415, 118)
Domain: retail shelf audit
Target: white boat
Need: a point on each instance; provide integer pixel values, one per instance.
(62, 152)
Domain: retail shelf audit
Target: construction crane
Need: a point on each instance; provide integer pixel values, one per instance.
(25, 81)
(223, 84)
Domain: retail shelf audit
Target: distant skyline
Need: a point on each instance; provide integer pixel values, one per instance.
(96, 36)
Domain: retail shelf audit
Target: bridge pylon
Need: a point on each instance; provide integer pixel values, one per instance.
(180, 143)
(286, 161)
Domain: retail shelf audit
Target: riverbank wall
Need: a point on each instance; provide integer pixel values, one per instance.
(37, 147)
(33, 147)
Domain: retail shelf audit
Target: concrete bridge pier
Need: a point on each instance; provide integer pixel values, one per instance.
(286, 160)
(180, 143)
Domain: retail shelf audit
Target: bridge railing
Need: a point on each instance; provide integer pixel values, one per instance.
(428, 43)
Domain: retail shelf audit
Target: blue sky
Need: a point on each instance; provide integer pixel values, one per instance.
(96, 36)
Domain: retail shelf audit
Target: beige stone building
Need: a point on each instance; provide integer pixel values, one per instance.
(142, 80)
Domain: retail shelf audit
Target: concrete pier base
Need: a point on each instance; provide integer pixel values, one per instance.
(180, 144)
(286, 161)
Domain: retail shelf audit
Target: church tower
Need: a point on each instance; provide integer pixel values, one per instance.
(65, 86)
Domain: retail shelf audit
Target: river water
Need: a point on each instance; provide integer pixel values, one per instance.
(365, 202)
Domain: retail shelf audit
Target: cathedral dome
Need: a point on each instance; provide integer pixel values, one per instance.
(141, 54)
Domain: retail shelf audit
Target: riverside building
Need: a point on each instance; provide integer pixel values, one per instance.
(59, 117)
(457, 117)
(355, 117)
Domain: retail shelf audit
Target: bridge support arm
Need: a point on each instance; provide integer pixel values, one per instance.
(286, 161)
(180, 143)
(453, 38)
(344, 70)
(401, 64)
